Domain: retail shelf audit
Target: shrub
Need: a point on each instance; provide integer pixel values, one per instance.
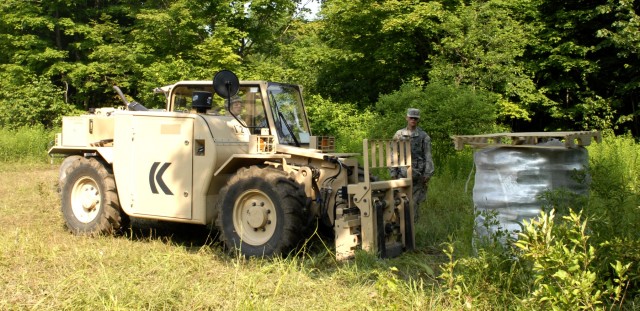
(562, 264)
(35, 101)
(614, 206)
(615, 188)
(344, 121)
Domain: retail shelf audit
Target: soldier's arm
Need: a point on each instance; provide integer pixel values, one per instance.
(397, 135)
(428, 167)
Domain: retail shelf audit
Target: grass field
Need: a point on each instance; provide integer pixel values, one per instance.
(178, 267)
(162, 266)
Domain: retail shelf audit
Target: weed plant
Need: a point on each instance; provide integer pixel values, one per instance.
(614, 208)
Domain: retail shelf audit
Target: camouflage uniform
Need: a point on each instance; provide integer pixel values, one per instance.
(421, 163)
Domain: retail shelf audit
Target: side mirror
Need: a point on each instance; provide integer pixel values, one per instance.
(226, 84)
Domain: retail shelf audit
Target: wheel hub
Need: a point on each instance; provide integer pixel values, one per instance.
(85, 200)
(254, 217)
(89, 200)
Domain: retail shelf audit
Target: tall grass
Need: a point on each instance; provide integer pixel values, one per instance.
(615, 171)
(448, 212)
(614, 208)
(25, 144)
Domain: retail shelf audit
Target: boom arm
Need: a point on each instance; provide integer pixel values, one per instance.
(133, 106)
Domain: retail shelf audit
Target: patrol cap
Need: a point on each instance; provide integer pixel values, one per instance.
(234, 99)
(413, 113)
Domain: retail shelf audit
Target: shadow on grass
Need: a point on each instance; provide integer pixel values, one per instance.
(194, 237)
(189, 236)
(315, 254)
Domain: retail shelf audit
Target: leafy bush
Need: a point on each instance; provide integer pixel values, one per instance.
(344, 121)
(615, 171)
(614, 205)
(562, 264)
(445, 110)
(30, 102)
(482, 282)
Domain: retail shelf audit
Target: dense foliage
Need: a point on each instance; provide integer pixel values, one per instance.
(25, 144)
(543, 65)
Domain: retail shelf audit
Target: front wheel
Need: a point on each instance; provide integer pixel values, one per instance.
(90, 204)
(260, 212)
(62, 177)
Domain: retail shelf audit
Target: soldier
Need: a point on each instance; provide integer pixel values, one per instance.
(236, 106)
(421, 161)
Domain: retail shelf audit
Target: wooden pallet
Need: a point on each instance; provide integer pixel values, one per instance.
(526, 139)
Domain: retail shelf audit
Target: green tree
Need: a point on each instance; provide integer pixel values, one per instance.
(32, 101)
(345, 122)
(182, 39)
(74, 44)
(85, 47)
(586, 63)
(482, 46)
(623, 34)
(375, 45)
(299, 60)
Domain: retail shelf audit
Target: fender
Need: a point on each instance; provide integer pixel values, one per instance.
(106, 153)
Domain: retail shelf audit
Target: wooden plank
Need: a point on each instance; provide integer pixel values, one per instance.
(373, 149)
(381, 155)
(530, 139)
(390, 154)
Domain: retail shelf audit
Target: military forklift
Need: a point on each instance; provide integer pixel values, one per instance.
(255, 174)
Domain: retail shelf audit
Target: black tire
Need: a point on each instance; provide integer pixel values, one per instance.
(90, 204)
(62, 177)
(261, 212)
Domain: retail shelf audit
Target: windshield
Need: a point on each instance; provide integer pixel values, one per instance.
(288, 113)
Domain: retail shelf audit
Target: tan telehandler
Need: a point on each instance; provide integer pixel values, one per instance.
(237, 156)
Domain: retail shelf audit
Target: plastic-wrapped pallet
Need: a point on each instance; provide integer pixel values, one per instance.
(510, 180)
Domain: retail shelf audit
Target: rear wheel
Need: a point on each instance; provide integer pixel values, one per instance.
(90, 202)
(260, 212)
